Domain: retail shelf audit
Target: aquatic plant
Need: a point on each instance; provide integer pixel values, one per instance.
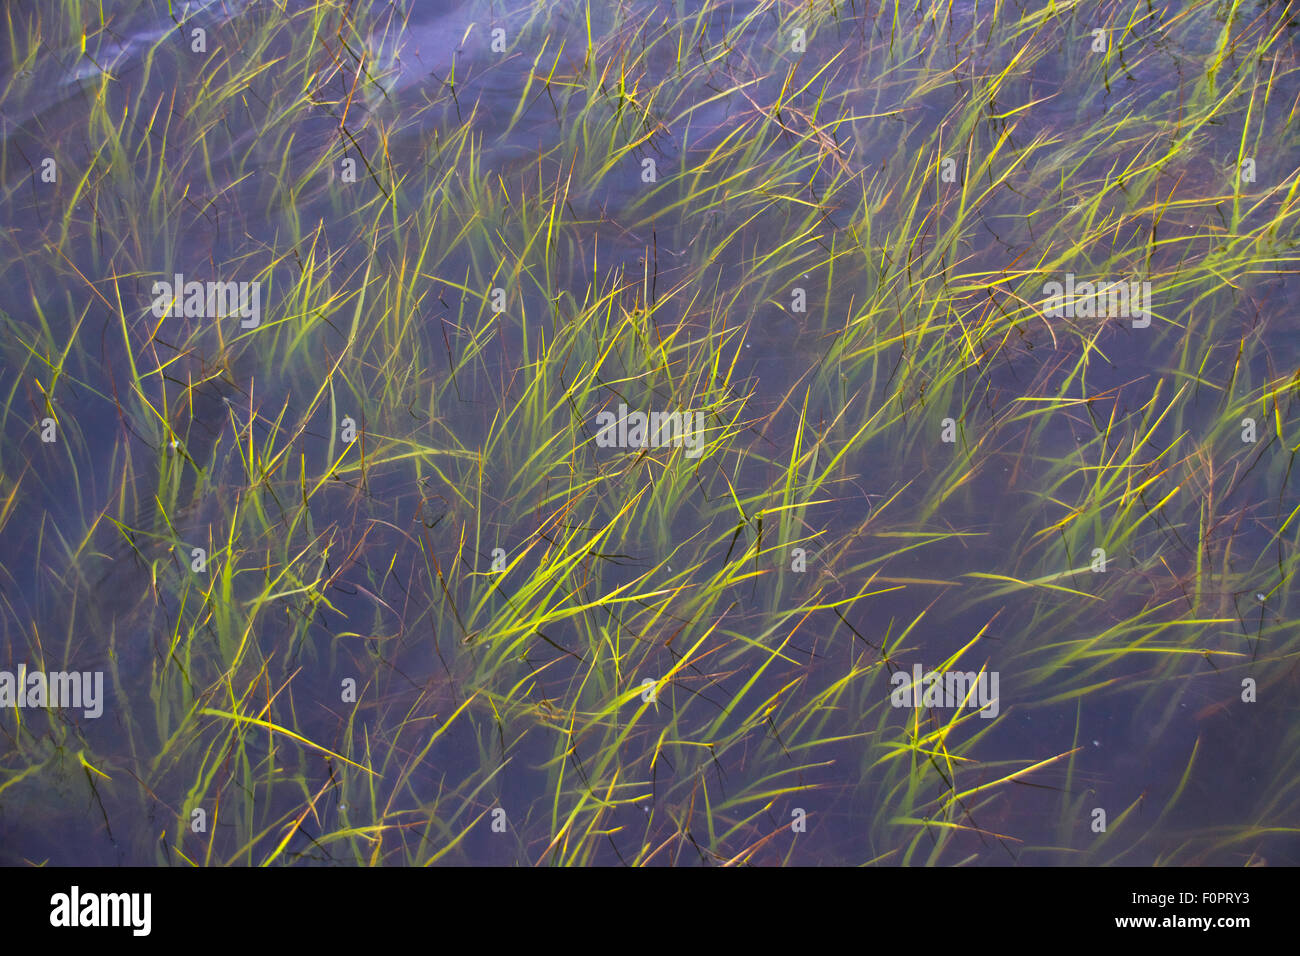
(366, 584)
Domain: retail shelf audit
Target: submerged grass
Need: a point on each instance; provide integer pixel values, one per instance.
(436, 619)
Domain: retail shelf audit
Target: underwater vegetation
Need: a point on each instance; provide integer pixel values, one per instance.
(700, 432)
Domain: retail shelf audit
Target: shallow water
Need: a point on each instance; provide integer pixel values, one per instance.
(1134, 740)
